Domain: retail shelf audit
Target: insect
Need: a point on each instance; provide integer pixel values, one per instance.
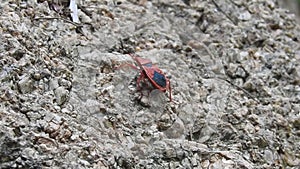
(151, 72)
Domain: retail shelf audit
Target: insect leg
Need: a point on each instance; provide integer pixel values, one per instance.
(138, 81)
(126, 65)
(141, 78)
(170, 91)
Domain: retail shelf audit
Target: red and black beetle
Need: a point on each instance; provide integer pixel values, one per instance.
(151, 72)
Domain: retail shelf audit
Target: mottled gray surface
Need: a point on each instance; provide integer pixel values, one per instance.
(235, 76)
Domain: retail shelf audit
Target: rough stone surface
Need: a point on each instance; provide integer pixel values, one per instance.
(234, 72)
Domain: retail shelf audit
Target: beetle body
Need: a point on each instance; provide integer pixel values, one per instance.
(151, 72)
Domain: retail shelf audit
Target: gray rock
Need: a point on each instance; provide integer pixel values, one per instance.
(62, 95)
(245, 16)
(53, 84)
(26, 84)
(65, 83)
(176, 130)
